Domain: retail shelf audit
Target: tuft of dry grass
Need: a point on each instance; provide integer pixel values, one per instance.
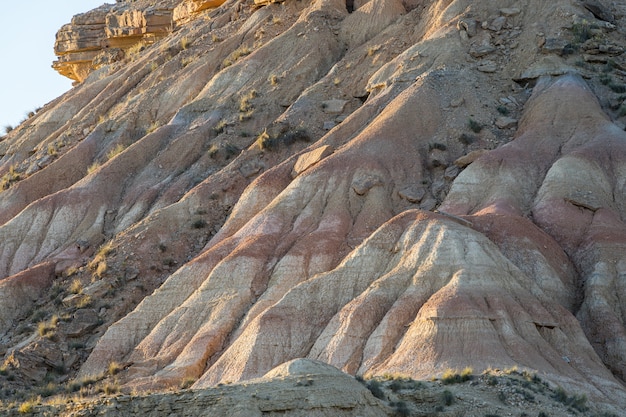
(467, 373)
(12, 176)
(187, 382)
(27, 407)
(99, 263)
(452, 376)
(245, 103)
(117, 149)
(93, 167)
(135, 49)
(372, 50)
(114, 368)
(154, 126)
(47, 329)
(52, 150)
(243, 50)
(101, 269)
(220, 126)
(76, 287)
(185, 42)
(84, 302)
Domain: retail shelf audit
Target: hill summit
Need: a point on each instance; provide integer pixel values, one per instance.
(390, 187)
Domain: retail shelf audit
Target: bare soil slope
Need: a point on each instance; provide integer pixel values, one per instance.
(385, 186)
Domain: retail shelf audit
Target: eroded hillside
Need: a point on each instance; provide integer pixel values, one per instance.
(385, 186)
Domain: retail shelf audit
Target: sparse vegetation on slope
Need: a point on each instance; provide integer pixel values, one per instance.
(401, 189)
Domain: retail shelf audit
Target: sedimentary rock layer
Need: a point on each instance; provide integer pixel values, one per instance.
(383, 186)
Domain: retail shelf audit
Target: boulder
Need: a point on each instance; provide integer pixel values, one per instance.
(188, 9)
(100, 36)
(307, 160)
(369, 20)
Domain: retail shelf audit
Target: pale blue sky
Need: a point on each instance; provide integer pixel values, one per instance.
(27, 34)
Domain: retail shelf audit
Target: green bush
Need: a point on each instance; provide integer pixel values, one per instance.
(49, 390)
(375, 388)
(199, 224)
(267, 142)
(581, 31)
(618, 88)
(577, 402)
(560, 395)
(451, 376)
(474, 125)
(466, 139)
(400, 408)
(447, 398)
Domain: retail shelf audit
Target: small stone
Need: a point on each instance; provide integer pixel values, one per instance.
(329, 124)
(465, 160)
(412, 194)
(599, 10)
(547, 65)
(555, 46)
(478, 51)
(83, 321)
(437, 158)
(428, 204)
(513, 100)
(334, 106)
(497, 24)
(307, 160)
(72, 299)
(451, 172)
(43, 162)
(97, 289)
(250, 169)
(131, 273)
(506, 122)
(487, 66)
(361, 185)
(611, 49)
(510, 11)
(457, 102)
(469, 26)
(595, 59)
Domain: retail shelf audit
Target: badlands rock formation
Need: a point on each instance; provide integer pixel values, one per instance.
(385, 186)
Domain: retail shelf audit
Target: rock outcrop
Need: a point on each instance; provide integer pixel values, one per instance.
(110, 33)
(187, 10)
(291, 389)
(385, 186)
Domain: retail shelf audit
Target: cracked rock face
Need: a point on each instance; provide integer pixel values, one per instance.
(262, 183)
(107, 34)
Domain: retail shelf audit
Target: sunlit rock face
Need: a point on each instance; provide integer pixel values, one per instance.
(110, 33)
(385, 186)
